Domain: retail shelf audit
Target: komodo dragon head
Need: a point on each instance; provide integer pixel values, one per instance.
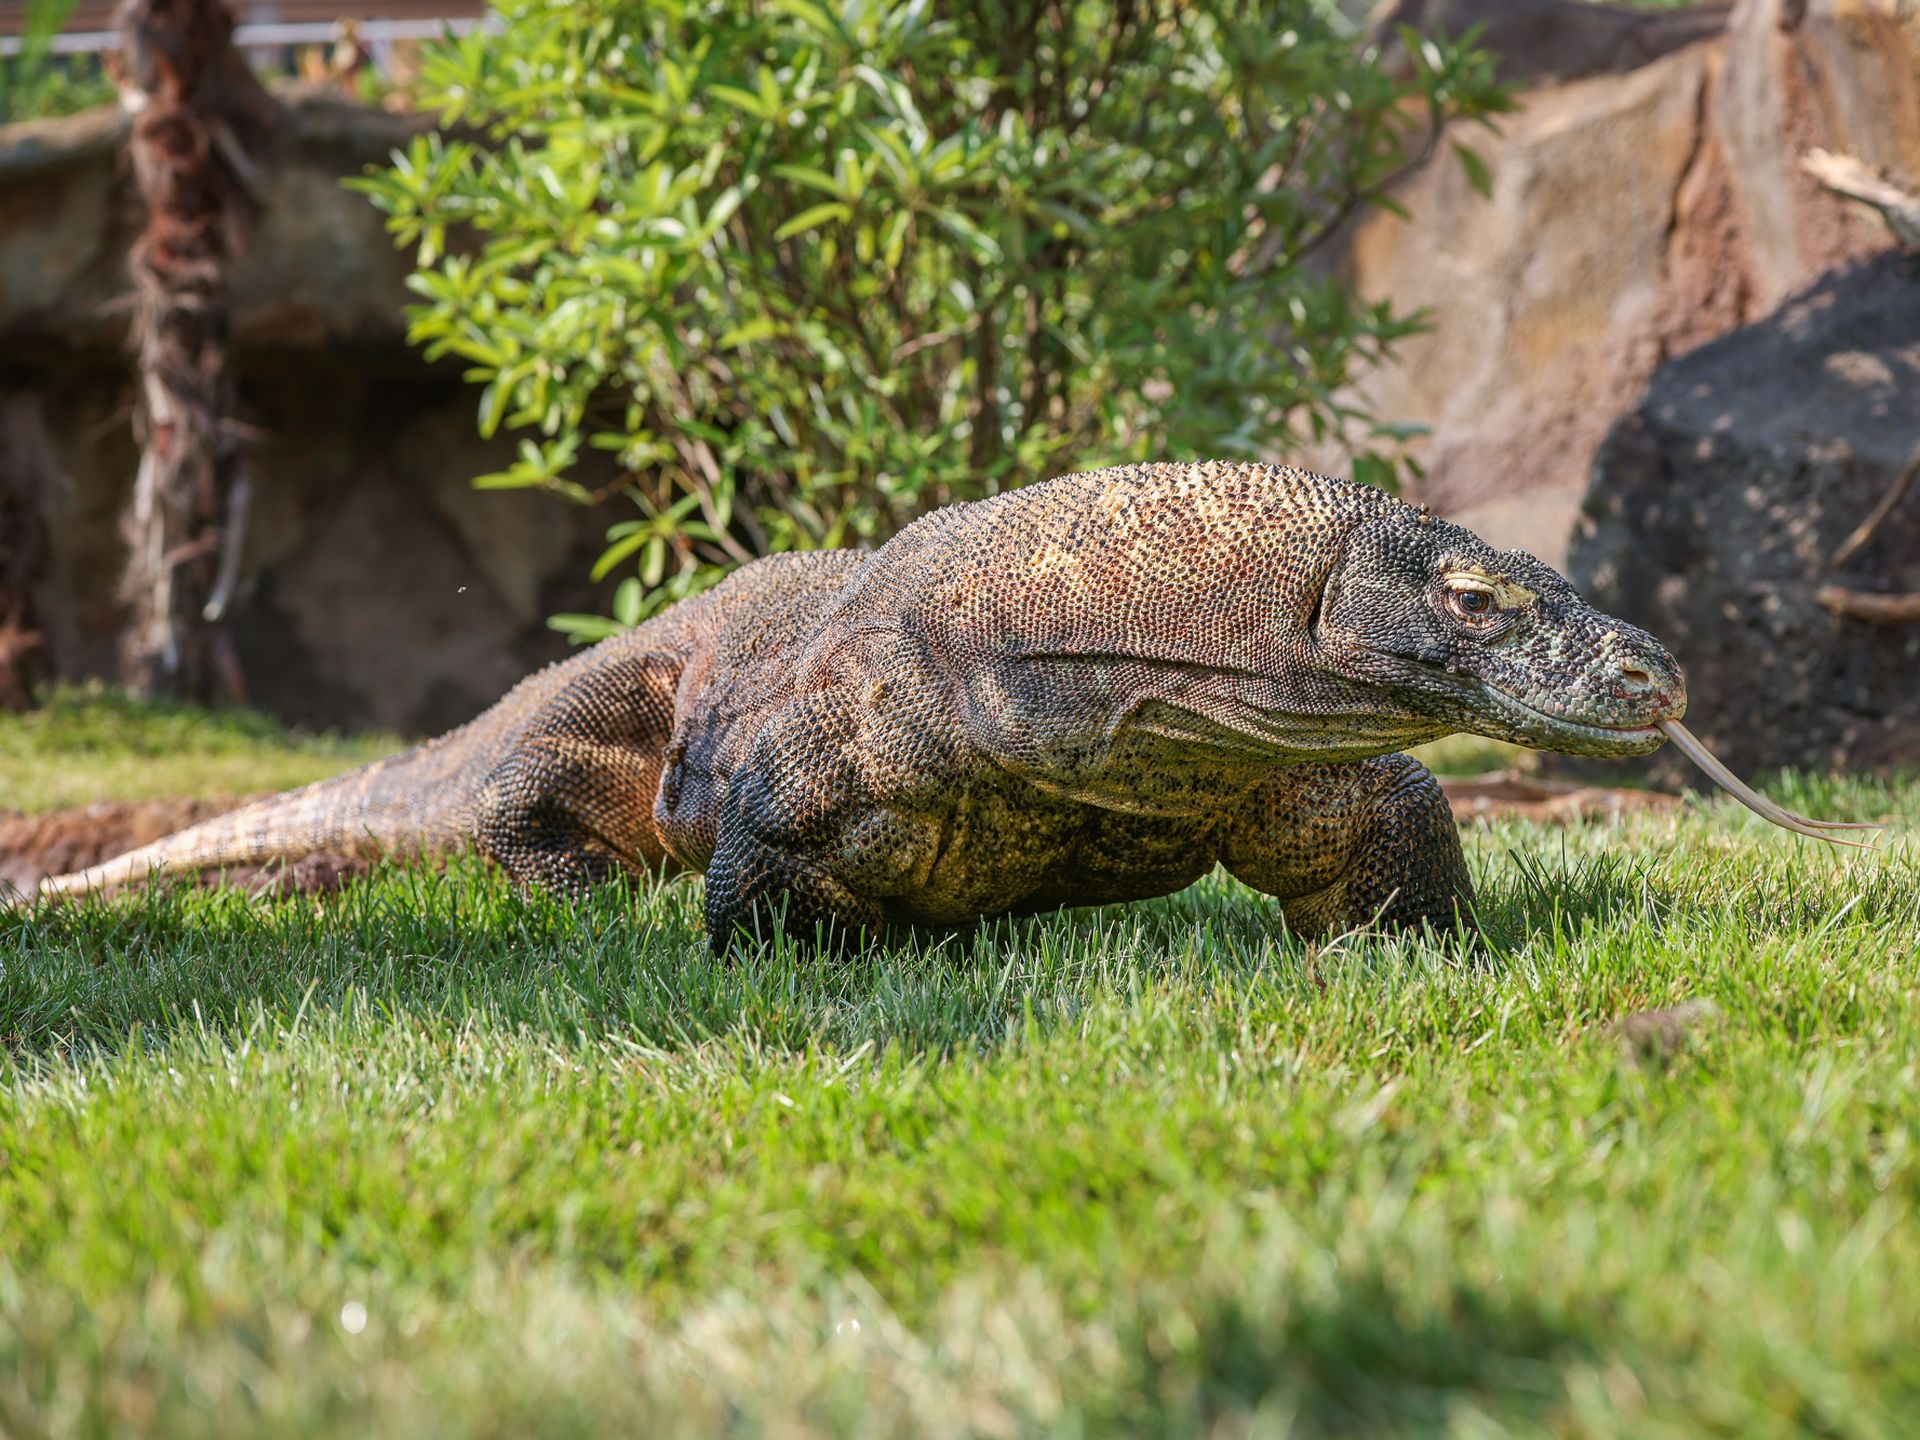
(1490, 641)
(1495, 643)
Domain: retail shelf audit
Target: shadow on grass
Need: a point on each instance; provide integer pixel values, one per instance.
(1367, 1359)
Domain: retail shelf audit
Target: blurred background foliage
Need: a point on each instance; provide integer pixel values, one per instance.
(806, 271)
(36, 84)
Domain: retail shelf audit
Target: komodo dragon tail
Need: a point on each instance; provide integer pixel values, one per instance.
(426, 801)
(417, 803)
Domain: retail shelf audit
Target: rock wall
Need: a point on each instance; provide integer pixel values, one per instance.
(1718, 502)
(1634, 217)
(381, 589)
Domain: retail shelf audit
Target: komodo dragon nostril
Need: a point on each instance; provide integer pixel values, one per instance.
(1634, 680)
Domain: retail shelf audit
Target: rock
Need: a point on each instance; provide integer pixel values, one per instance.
(1717, 503)
(1660, 1034)
(1541, 42)
(25, 663)
(1634, 217)
(320, 270)
(379, 589)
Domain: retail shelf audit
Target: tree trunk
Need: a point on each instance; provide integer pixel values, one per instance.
(201, 124)
(25, 663)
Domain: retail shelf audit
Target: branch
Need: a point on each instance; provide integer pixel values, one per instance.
(935, 337)
(1853, 180)
(1865, 605)
(1366, 195)
(1852, 544)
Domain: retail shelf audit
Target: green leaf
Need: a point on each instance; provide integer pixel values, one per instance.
(1478, 175)
(983, 245)
(612, 557)
(813, 217)
(626, 601)
(745, 101)
(586, 629)
(815, 179)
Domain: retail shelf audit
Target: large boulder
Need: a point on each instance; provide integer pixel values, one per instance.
(319, 270)
(1716, 507)
(1633, 217)
(1547, 42)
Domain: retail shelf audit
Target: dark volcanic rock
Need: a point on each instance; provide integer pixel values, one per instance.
(1716, 506)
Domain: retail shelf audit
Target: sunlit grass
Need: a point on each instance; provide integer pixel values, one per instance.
(90, 743)
(1474, 755)
(433, 1157)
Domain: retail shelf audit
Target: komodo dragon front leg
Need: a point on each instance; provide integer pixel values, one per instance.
(570, 804)
(1347, 845)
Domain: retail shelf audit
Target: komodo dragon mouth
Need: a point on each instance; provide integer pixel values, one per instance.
(1648, 737)
(1648, 734)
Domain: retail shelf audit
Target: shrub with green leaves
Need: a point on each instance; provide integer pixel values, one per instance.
(807, 272)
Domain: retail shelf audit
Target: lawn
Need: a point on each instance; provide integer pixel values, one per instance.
(88, 744)
(430, 1157)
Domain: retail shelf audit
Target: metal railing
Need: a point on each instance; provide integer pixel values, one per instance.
(272, 35)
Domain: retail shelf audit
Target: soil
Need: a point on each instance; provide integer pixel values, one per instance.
(1511, 795)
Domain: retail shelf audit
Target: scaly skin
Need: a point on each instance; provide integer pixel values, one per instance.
(1087, 691)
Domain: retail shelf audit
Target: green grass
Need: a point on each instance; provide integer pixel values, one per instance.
(434, 1158)
(1474, 755)
(91, 743)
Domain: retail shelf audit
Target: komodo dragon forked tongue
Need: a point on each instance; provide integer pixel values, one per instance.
(1786, 819)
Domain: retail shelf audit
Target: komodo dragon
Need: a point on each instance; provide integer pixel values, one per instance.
(1090, 690)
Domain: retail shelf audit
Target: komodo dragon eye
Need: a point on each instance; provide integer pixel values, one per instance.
(1471, 600)
(1482, 601)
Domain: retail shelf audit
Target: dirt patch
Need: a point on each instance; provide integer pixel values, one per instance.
(1510, 795)
(57, 842)
(1659, 1034)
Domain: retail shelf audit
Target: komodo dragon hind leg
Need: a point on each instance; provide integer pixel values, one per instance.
(571, 803)
(1347, 845)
